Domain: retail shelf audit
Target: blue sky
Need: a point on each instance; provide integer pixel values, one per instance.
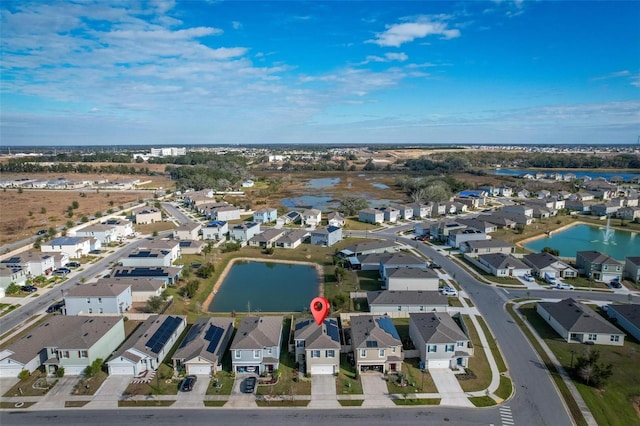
(227, 72)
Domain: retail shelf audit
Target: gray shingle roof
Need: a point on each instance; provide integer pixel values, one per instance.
(258, 332)
(366, 328)
(502, 261)
(197, 342)
(137, 284)
(415, 273)
(139, 338)
(98, 289)
(411, 297)
(578, 318)
(596, 257)
(437, 327)
(630, 312)
(317, 336)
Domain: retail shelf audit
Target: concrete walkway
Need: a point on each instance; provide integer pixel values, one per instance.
(323, 392)
(375, 391)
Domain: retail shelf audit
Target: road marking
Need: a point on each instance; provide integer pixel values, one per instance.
(505, 416)
(505, 290)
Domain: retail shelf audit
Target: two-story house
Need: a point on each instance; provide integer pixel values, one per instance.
(172, 245)
(98, 299)
(216, 230)
(371, 216)
(187, 231)
(376, 344)
(256, 345)
(74, 247)
(326, 236)
(440, 341)
(146, 215)
(243, 232)
(317, 347)
(598, 266)
(34, 263)
(103, 233)
(147, 257)
(311, 217)
(632, 268)
(202, 349)
(265, 215)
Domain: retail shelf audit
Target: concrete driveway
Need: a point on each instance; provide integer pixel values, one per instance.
(194, 398)
(110, 392)
(323, 391)
(449, 388)
(238, 398)
(375, 391)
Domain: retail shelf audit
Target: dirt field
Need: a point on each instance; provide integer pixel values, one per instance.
(154, 181)
(49, 208)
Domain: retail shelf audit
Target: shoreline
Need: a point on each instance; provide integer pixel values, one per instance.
(207, 302)
(564, 228)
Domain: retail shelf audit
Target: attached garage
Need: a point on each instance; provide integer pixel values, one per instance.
(199, 369)
(121, 370)
(438, 363)
(10, 370)
(322, 369)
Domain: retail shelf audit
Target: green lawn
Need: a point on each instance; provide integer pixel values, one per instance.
(351, 402)
(413, 379)
(505, 388)
(347, 382)
(482, 401)
(613, 404)
(214, 403)
(497, 355)
(368, 280)
(285, 403)
(478, 363)
(417, 401)
(221, 383)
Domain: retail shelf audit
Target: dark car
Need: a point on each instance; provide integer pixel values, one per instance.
(41, 232)
(187, 383)
(435, 266)
(29, 288)
(615, 284)
(249, 384)
(61, 271)
(55, 307)
(73, 264)
(95, 252)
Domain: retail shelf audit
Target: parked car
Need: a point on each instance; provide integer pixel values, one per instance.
(41, 232)
(449, 291)
(249, 385)
(55, 307)
(564, 286)
(435, 266)
(528, 277)
(61, 271)
(95, 252)
(187, 383)
(29, 288)
(615, 284)
(73, 265)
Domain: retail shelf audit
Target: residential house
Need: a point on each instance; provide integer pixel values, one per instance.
(542, 212)
(505, 191)
(141, 288)
(578, 323)
(224, 213)
(406, 212)
(459, 236)
(579, 206)
(519, 219)
(311, 217)
(266, 238)
(216, 230)
(248, 183)
(629, 213)
(34, 263)
(440, 230)
(72, 343)
(503, 265)
(191, 246)
(632, 269)
(243, 232)
(487, 246)
(336, 219)
(498, 220)
(370, 247)
(522, 194)
(605, 209)
(112, 298)
(598, 266)
(292, 217)
(202, 349)
(478, 224)
(147, 257)
(124, 228)
(265, 215)
(390, 214)
(441, 342)
(326, 236)
(103, 233)
(292, 239)
(317, 347)
(490, 190)
(146, 215)
(173, 246)
(74, 247)
(400, 260)
(438, 209)
(518, 209)
(627, 317)
(373, 216)
(60, 260)
(408, 278)
(392, 302)
(256, 345)
(208, 209)
(187, 231)
(420, 211)
(169, 275)
(546, 263)
(141, 354)
(376, 344)
(10, 275)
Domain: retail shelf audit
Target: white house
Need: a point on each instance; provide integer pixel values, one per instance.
(404, 279)
(371, 216)
(146, 215)
(311, 217)
(394, 302)
(141, 288)
(34, 263)
(172, 245)
(503, 265)
(74, 247)
(147, 257)
(187, 231)
(98, 299)
(439, 340)
(216, 230)
(103, 233)
(9, 275)
(243, 232)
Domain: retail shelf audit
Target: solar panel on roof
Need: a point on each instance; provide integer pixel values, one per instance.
(332, 331)
(387, 325)
(213, 335)
(162, 334)
(302, 324)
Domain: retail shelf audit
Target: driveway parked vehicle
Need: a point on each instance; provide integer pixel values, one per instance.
(187, 383)
(528, 277)
(615, 284)
(73, 265)
(449, 291)
(61, 271)
(564, 286)
(29, 288)
(249, 385)
(55, 307)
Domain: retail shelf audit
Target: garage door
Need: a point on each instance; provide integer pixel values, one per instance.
(121, 370)
(608, 277)
(10, 371)
(321, 369)
(438, 363)
(199, 369)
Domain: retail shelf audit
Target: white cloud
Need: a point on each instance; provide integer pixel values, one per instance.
(388, 57)
(397, 34)
(236, 25)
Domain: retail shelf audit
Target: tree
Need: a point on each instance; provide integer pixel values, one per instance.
(84, 219)
(13, 288)
(94, 368)
(154, 303)
(339, 300)
(75, 205)
(350, 206)
(191, 288)
(206, 270)
(60, 372)
(43, 210)
(340, 273)
(592, 372)
(37, 244)
(551, 251)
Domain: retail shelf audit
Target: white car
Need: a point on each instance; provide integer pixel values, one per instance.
(528, 277)
(563, 286)
(449, 291)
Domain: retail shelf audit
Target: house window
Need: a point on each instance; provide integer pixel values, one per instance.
(90, 310)
(460, 344)
(299, 343)
(236, 354)
(88, 300)
(363, 353)
(83, 354)
(448, 348)
(432, 348)
(332, 353)
(592, 337)
(101, 311)
(315, 354)
(64, 354)
(615, 338)
(399, 308)
(421, 308)
(256, 353)
(381, 353)
(99, 299)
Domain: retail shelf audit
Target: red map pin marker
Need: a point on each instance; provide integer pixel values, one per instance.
(319, 309)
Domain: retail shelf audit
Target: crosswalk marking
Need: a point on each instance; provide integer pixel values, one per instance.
(505, 416)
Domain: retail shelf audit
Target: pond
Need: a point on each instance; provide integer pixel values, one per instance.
(266, 287)
(321, 183)
(619, 245)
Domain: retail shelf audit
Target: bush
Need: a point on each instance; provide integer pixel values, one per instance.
(12, 289)
(60, 372)
(154, 303)
(94, 368)
(24, 375)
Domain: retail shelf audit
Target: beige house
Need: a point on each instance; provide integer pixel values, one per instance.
(376, 344)
(146, 215)
(317, 347)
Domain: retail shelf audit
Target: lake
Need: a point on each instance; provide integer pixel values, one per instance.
(589, 237)
(579, 174)
(266, 287)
